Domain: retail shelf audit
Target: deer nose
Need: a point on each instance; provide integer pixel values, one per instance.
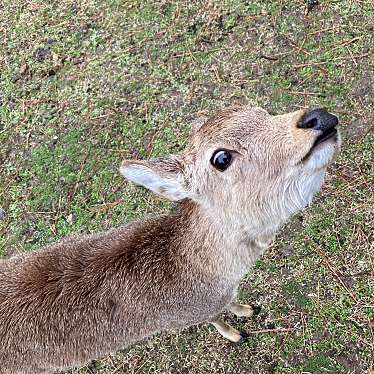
(318, 119)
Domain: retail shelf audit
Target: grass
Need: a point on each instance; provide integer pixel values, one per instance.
(86, 84)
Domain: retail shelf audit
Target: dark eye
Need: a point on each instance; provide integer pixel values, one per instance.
(221, 159)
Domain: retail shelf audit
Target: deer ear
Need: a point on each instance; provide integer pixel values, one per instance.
(164, 176)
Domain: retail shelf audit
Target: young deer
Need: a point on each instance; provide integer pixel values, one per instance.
(242, 175)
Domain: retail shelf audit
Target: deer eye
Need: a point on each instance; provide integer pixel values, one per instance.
(221, 159)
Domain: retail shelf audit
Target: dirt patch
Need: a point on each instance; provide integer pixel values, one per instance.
(359, 128)
(363, 89)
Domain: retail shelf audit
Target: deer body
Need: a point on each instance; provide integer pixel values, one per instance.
(91, 295)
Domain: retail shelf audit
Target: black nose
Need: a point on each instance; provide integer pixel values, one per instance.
(318, 119)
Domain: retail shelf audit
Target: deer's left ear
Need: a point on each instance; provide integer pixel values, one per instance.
(163, 176)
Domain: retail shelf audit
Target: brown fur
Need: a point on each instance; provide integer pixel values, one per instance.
(62, 301)
(91, 295)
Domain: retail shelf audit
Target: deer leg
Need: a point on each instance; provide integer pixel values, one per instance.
(227, 331)
(240, 310)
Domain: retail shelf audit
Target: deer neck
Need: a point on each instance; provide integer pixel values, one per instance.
(218, 244)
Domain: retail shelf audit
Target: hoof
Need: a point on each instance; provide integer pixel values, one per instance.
(243, 336)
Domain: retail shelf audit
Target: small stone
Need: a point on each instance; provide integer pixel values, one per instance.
(41, 54)
(23, 69)
(69, 219)
(50, 41)
(55, 58)
(2, 214)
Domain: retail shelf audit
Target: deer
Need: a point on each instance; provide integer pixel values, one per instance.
(242, 174)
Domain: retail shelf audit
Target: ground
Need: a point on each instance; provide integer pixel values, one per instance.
(87, 84)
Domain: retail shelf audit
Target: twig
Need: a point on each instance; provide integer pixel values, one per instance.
(353, 57)
(326, 260)
(327, 62)
(345, 42)
(106, 206)
(271, 58)
(274, 57)
(216, 73)
(304, 93)
(196, 52)
(193, 58)
(277, 331)
(323, 30)
(79, 177)
(40, 213)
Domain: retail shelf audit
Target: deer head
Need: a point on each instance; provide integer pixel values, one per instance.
(246, 168)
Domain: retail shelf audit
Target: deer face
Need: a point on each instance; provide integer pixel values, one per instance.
(246, 164)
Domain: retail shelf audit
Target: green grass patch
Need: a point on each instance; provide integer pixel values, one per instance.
(85, 85)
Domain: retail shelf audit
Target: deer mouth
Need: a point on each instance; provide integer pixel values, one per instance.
(331, 133)
(326, 135)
